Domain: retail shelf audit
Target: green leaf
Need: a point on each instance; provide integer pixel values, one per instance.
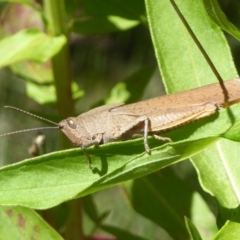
(118, 94)
(218, 173)
(202, 217)
(180, 61)
(127, 91)
(30, 44)
(101, 25)
(48, 180)
(42, 94)
(37, 72)
(45, 94)
(231, 134)
(193, 232)
(230, 231)
(23, 223)
(218, 16)
(142, 77)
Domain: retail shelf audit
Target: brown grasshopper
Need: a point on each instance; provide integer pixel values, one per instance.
(116, 122)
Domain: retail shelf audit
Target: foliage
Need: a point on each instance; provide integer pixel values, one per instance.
(146, 203)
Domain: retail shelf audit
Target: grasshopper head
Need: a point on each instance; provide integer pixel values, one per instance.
(74, 130)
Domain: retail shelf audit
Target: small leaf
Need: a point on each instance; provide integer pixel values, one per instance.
(42, 94)
(30, 44)
(118, 94)
(232, 133)
(193, 232)
(127, 91)
(102, 25)
(122, 23)
(45, 94)
(202, 217)
(37, 72)
(218, 16)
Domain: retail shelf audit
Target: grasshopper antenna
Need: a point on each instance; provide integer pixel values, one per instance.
(57, 126)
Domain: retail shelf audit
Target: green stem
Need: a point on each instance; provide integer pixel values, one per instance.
(56, 25)
(56, 22)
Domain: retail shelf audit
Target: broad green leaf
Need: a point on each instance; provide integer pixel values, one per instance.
(218, 16)
(218, 173)
(23, 223)
(30, 44)
(182, 67)
(180, 61)
(47, 181)
(193, 232)
(230, 231)
(102, 25)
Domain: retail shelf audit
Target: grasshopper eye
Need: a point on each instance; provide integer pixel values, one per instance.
(71, 124)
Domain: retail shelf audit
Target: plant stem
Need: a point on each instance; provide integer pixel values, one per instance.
(56, 22)
(56, 25)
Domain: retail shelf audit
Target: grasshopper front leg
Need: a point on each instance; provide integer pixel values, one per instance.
(89, 143)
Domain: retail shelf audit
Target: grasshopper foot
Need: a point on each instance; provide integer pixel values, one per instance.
(162, 138)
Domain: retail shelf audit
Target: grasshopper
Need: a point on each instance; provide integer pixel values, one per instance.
(116, 122)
